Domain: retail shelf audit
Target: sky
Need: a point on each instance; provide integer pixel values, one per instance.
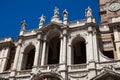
(12, 12)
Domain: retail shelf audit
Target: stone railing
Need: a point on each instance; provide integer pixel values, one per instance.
(30, 32)
(49, 67)
(77, 22)
(5, 74)
(77, 67)
(113, 63)
(24, 72)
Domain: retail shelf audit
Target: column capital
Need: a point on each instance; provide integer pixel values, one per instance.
(39, 36)
(61, 36)
(90, 29)
(19, 44)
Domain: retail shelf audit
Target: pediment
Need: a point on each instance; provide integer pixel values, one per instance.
(51, 26)
(107, 75)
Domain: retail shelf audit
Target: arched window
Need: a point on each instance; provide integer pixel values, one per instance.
(54, 48)
(10, 58)
(79, 50)
(28, 58)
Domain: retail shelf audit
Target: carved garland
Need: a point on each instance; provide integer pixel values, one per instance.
(38, 73)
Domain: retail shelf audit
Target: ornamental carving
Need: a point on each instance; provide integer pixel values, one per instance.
(39, 72)
(78, 75)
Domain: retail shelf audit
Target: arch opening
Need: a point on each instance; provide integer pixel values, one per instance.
(54, 48)
(49, 77)
(79, 50)
(10, 59)
(28, 58)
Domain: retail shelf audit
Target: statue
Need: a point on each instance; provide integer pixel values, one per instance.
(88, 12)
(23, 25)
(42, 20)
(56, 12)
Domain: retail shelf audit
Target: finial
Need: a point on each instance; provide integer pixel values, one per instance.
(88, 12)
(56, 12)
(65, 13)
(23, 25)
(55, 18)
(42, 20)
(65, 17)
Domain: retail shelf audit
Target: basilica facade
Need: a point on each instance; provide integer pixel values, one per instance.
(64, 50)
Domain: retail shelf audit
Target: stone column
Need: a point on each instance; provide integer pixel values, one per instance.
(16, 60)
(43, 53)
(46, 55)
(61, 49)
(69, 56)
(37, 53)
(20, 65)
(116, 36)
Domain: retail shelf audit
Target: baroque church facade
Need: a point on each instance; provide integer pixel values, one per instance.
(63, 50)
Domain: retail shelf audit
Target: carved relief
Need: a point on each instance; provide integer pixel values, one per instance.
(78, 75)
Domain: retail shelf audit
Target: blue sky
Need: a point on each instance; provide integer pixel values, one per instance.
(12, 12)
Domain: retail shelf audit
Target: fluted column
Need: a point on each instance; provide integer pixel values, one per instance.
(43, 53)
(37, 53)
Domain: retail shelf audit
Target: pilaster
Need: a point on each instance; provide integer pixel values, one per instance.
(63, 55)
(91, 69)
(37, 53)
(90, 49)
(13, 71)
(95, 46)
(5, 57)
(69, 55)
(117, 41)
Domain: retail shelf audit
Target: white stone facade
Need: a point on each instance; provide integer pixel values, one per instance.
(52, 52)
